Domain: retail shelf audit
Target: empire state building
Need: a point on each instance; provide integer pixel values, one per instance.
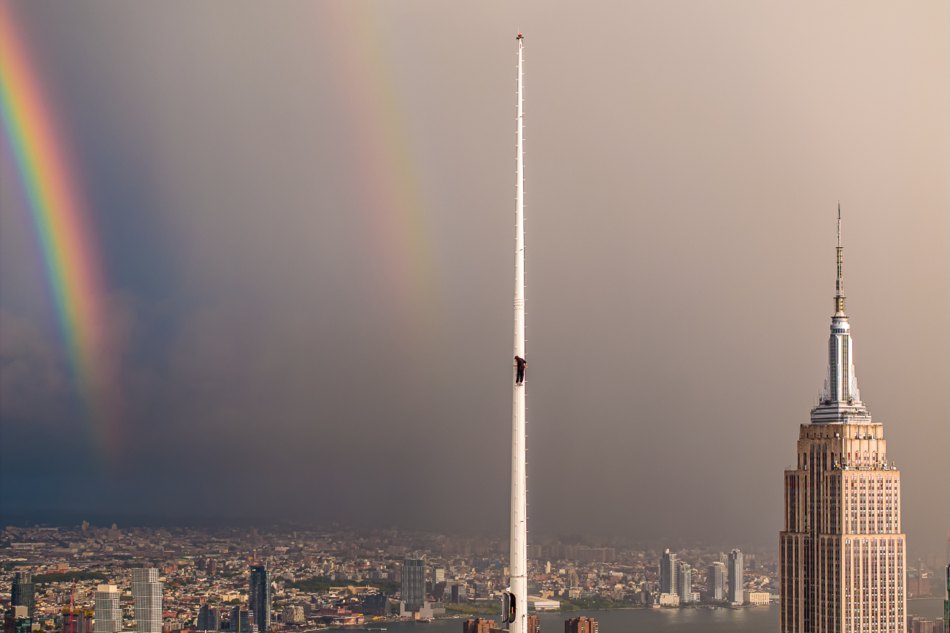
(842, 550)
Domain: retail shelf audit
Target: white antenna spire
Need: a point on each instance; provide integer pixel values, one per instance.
(515, 610)
(839, 225)
(839, 284)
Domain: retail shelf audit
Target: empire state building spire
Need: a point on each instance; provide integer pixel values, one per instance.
(840, 395)
(839, 284)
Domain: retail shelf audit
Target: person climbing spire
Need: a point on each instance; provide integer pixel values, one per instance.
(522, 363)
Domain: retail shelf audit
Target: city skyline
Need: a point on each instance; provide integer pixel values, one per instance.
(209, 580)
(325, 258)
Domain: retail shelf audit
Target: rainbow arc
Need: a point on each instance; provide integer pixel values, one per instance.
(61, 226)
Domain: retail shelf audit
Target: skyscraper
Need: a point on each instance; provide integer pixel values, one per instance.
(946, 599)
(209, 618)
(668, 573)
(716, 582)
(73, 621)
(259, 597)
(108, 612)
(735, 577)
(842, 550)
(414, 584)
(684, 581)
(21, 593)
(242, 620)
(147, 597)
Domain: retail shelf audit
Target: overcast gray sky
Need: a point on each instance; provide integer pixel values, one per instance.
(304, 212)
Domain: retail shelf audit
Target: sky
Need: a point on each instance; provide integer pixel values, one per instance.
(303, 218)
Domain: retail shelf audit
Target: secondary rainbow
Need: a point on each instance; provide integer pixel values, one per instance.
(61, 228)
(390, 192)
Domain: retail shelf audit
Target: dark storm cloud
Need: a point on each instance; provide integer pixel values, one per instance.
(32, 379)
(684, 164)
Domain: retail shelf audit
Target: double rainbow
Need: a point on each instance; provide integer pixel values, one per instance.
(392, 200)
(61, 227)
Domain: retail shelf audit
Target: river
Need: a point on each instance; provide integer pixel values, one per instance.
(685, 620)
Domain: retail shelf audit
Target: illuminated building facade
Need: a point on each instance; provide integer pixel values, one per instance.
(843, 555)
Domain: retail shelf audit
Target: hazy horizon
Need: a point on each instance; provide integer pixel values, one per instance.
(498, 535)
(304, 216)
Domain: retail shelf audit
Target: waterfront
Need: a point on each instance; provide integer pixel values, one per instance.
(686, 620)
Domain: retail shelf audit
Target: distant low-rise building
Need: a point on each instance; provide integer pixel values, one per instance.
(17, 620)
(375, 605)
(581, 625)
(669, 600)
(459, 593)
(428, 610)
(480, 625)
(539, 604)
(595, 554)
(534, 624)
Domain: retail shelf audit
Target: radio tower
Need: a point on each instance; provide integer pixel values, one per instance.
(516, 599)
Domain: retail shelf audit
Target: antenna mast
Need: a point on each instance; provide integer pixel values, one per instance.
(516, 599)
(839, 284)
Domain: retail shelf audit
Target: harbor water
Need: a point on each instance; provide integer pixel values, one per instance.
(684, 620)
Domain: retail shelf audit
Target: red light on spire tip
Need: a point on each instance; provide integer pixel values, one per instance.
(520, 36)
